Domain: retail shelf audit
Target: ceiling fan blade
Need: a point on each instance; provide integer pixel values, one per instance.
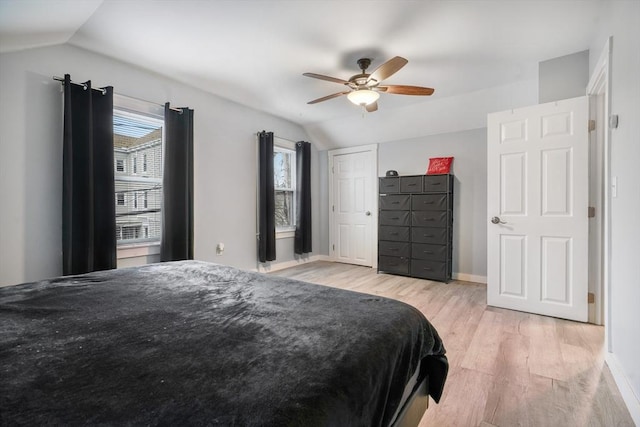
(325, 98)
(406, 90)
(387, 69)
(327, 78)
(371, 107)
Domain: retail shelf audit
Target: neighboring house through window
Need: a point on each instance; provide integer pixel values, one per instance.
(284, 170)
(138, 134)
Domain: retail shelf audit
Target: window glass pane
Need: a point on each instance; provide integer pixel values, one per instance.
(139, 198)
(284, 208)
(282, 169)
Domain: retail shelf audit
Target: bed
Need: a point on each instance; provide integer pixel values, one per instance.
(193, 343)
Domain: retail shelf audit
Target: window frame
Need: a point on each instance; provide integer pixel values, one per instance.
(283, 145)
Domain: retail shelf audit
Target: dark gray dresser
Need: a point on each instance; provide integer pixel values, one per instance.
(415, 226)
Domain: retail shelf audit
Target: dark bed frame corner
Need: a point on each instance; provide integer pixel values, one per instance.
(415, 407)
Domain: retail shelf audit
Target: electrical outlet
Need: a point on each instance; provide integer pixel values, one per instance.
(220, 248)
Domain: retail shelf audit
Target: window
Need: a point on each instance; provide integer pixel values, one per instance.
(138, 134)
(284, 170)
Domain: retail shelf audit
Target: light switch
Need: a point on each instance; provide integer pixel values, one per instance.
(220, 248)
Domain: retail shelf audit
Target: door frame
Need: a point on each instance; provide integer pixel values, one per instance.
(373, 149)
(598, 90)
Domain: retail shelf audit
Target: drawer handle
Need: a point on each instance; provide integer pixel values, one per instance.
(435, 183)
(395, 203)
(394, 249)
(395, 217)
(427, 235)
(412, 185)
(428, 219)
(393, 234)
(428, 252)
(428, 203)
(426, 268)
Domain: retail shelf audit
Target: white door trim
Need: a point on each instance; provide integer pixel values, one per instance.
(600, 84)
(373, 148)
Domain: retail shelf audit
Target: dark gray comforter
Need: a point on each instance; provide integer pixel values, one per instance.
(203, 344)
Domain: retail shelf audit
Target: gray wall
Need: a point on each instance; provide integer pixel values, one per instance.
(31, 160)
(411, 157)
(620, 19)
(564, 77)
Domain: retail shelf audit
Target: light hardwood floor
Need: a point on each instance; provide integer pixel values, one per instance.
(507, 368)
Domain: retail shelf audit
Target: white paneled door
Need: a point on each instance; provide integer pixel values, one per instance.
(353, 173)
(537, 209)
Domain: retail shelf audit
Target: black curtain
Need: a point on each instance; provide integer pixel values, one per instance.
(177, 185)
(267, 204)
(88, 188)
(302, 242)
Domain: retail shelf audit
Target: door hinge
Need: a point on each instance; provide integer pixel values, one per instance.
(333, 208)
(333, 247)
(591, 212)
(591, 298)
(592, 125)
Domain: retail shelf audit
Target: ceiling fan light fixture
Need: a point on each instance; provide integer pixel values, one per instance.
(363, 96)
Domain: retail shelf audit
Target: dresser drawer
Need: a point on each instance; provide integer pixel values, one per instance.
(429, 269)
(437, 183)
(429, 252)
(411, 184)
(393, 264)
(401, 249)
(394, 218)
(431, 235)
(396, 234)
(429, 202)
(430, 218)
(388, 185)
(395, 202)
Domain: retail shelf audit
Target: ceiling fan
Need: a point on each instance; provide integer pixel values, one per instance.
(364, 89)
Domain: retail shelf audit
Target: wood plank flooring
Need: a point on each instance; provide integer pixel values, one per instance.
(507, 368)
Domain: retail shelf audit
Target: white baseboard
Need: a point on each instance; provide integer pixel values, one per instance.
(470, 278)
(275, 266)
(629, 397)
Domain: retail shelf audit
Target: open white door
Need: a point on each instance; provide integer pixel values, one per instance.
(353, 173)
(537, 204)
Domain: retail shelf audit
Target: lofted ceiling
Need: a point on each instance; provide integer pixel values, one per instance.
(255, 51)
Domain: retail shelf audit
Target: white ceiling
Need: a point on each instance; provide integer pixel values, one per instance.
(255, 51)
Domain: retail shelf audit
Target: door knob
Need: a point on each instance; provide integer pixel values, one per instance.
(368, 213)
(497, 220)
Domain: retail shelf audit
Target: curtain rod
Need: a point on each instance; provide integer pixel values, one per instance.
(84, 85)
(104, 91)
(279, 137)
